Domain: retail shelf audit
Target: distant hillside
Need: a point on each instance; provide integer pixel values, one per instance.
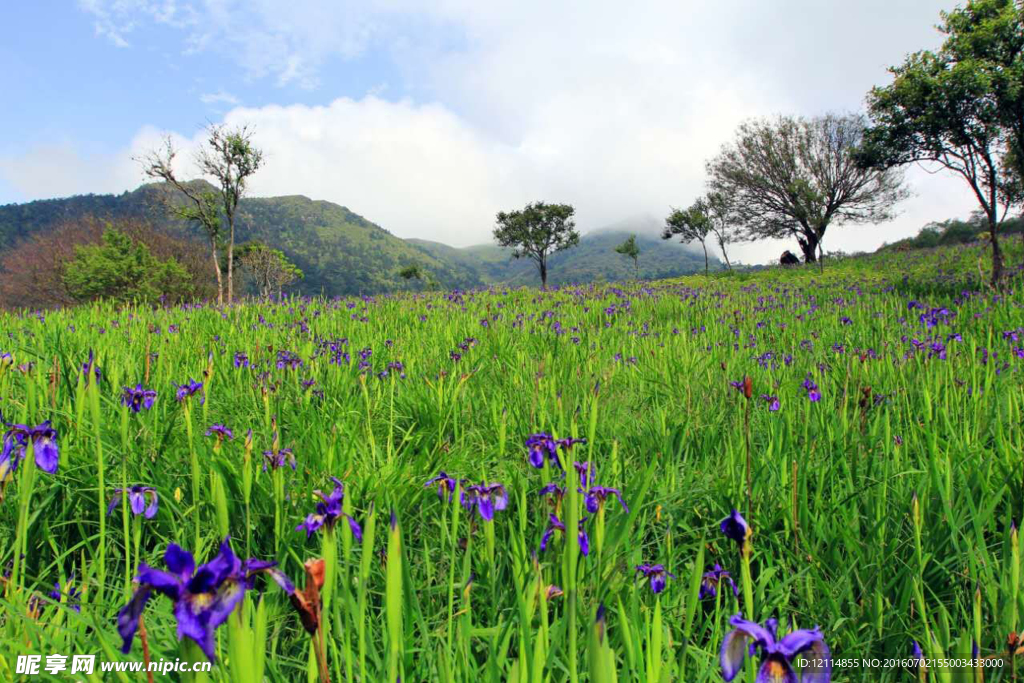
(343, 253)
(339, 251)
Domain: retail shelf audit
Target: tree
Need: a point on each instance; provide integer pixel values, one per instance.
(411, 272)
(269, 268)
(629, 248)
(32, 272)
(123, 270)
(794, 177)
(536, 232)
(720, 210)
(230, 158)
(961, 109)
(691, 225)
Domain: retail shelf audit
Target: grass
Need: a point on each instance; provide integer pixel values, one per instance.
(883, 513)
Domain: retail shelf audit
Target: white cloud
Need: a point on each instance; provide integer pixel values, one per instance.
(219, 97)
(611, 107)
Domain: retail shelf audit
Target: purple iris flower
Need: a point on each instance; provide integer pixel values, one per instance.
(735, 527)
(90, 369)
(542, 446)
(44, 445)
(776, 656)
(486, 498)
(710, 582)
(73, 594)
(586, 471)
(444, 484)
(137, 496)
(328, 512)
(138, 399)
(555, 524)
(241, 360)
(597, 495)
(772, 401)
(278, 459)
(554, 490)
(203, 597)
(188, 390)
(656, 574)
(222, 433)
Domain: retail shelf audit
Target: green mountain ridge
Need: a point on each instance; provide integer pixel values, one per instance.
(343, 253)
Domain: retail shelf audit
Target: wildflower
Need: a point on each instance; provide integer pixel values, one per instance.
(221, 432)
(776, 656)
(138, 399)
(772, 401)
(444, 483)
(203, 597)
(735, 527)
(73, 599)
(241, 360)
(553, 592)
(188, 390)
(555, 524)
(486, 498)
(278, 459)
(44, 446)
(541, 446)
(586, 472)
(597, 495)
(328, 512)
(656, 574)
(90, 370)
(137, 496)
(712, 579)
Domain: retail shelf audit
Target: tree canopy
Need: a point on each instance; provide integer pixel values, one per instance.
(960, 108)
(269, 269)
(537, 231)
(123, 270)
(692, 224)
(629, 248)
(794, 177)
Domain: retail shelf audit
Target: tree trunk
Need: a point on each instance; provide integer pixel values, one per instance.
(997, 255)
(809, 246)
(231, 259)
(543, 273)
(216, 269)
(705, 257)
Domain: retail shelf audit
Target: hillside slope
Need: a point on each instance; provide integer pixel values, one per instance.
(343, 253)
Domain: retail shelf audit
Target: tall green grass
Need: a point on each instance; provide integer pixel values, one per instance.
(881, 521)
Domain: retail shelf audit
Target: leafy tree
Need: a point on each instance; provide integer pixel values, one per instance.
(721, 211)
(411, 272)
(961, 109)
(230, 158)
(691, 225)
(123, 270)
(794, 177)
(536, 232)
(269, 268)
(629, 248)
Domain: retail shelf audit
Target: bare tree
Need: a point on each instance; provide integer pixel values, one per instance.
(793, 177)
(270, 269)
(228, 157)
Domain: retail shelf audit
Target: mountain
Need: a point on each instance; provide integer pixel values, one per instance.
(342, 253)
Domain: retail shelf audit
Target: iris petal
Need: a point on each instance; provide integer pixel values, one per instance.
(734, 649)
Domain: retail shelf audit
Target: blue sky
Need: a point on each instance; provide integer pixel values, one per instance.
(428, 117)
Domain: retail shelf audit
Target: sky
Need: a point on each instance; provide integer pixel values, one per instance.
(430, 117)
